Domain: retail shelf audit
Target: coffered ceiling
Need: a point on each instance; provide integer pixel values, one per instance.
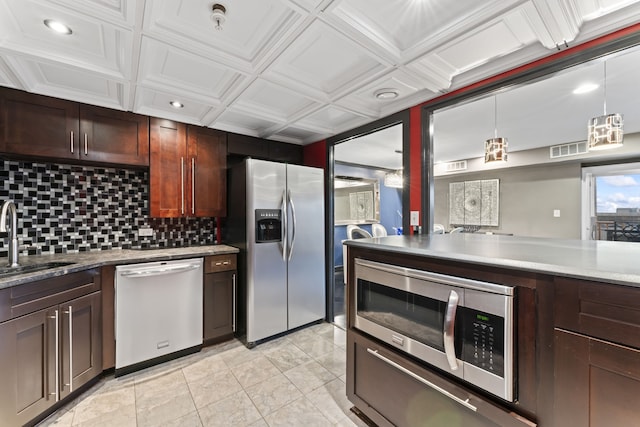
(289, 70)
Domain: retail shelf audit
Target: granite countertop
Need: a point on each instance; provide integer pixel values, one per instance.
(603, 261)
(86, 260)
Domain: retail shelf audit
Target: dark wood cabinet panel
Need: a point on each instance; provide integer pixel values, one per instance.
(38, 126)
(168, 146)
(207, 174)
(48, 353)
(597, 383)
(112, 136)
(243, 145)
(219, 310)
(44, 127)
(187, 171)
(393, 391)
(107, 276)
(81, 341)
(27, 363)
(609, 312)
(283, 152)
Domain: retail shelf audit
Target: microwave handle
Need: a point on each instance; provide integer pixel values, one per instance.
(449, 330)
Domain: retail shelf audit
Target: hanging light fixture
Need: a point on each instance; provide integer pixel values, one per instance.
(495, 149)
(605, 131)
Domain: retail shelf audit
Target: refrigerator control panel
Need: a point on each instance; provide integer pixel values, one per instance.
(268, 225)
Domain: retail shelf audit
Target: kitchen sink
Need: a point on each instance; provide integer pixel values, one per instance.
(22, 269)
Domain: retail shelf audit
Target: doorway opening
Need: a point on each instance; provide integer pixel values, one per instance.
(367, 198)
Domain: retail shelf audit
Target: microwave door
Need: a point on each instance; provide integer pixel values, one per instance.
(408, 320)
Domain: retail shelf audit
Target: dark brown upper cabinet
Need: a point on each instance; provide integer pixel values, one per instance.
(112, 136)
(50, 128)
(187, 171)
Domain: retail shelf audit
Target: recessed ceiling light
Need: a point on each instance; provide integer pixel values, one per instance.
(386, 93)
(57, 26)
(176, 104)
(585, 88)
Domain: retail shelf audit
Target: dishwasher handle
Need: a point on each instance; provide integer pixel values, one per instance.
(167, 269)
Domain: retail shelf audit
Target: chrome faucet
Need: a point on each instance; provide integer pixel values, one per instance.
(9, 208)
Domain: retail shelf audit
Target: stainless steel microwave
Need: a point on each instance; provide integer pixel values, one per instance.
(464, 327)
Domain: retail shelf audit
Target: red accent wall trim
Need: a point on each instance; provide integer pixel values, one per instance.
(315, 154)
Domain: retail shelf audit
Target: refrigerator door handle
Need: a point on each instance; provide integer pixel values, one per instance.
(284, 225)
(293, 218)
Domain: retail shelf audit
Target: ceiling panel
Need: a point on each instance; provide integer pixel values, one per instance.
(324, 61)
(94, 44)
(250, 28)
(164, 66)
(331, 120)
(288, 70)
(274, 102)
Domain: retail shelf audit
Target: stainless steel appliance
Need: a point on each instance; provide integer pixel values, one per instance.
(158, 312)
(462, 326)
(276, 219)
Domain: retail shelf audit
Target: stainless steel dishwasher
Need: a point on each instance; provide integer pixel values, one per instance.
(158, 312)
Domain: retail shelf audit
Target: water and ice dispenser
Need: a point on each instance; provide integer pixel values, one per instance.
(268, 225)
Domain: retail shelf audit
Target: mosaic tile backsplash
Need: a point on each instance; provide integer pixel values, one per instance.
(66, 209)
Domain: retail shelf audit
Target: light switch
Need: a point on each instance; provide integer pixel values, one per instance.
(415, 218)
(556, 213)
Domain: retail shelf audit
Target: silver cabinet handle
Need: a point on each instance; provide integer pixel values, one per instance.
(182, 184)
(417, 377)
(70, 313)
(55, 317)
(193, 185)
(293, 218)
(233, 303)
(86, 145)
(449, 330)
(284, 225)
(71, 141)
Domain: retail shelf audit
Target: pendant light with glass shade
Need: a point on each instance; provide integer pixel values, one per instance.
(605, 131)
(495, 149)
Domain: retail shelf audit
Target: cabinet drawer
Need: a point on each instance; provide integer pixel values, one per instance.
(215, 263)
(30, 297)
(609, 312)
(394, 391)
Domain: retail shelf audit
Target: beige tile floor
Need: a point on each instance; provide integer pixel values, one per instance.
(295, 380)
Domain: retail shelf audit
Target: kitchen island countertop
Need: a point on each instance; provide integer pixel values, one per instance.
(87, 260)
(603, 261)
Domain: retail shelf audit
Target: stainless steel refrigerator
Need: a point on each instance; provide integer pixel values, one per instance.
(276, 219)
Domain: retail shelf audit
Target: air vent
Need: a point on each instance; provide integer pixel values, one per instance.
(565, 150)
(456, 166)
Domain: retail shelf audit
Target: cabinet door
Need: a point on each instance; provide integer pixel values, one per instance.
(27, 366)
(112, 136)
(207, 175)
(219, 301)
(80, 341)
(597, 383)
(167, 163)
(37, 125)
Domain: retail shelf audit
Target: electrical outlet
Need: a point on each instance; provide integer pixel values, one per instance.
(415, 218)
(145, 232)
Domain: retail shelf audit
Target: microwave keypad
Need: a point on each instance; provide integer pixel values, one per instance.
(484, 341)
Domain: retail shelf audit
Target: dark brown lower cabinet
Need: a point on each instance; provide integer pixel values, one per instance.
(46, 355)
(219, 306)
(597, 383)
(394, 391)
